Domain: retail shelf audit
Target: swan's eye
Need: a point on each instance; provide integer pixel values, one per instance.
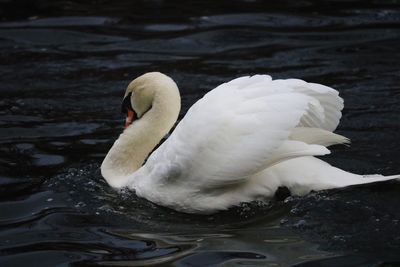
(126, 104)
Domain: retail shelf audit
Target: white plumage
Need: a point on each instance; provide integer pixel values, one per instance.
(240, 142)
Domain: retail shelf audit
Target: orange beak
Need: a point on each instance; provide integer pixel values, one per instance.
(130, 117)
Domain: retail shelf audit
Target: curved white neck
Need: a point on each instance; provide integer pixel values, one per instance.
(136, 142)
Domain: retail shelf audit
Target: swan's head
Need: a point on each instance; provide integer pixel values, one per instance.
(147, 91)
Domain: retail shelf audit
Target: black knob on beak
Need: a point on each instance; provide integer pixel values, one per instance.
(126, 104)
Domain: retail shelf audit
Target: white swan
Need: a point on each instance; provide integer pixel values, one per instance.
(239, 143)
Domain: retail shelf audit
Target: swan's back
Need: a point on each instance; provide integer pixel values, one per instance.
(234, 132)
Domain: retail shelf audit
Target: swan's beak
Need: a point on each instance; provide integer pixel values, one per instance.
(130, 117)
(127, 108)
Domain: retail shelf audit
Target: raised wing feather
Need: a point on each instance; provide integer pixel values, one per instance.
(328, 98)
(240, 128)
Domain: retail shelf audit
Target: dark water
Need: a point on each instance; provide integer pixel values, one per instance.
(64, 66)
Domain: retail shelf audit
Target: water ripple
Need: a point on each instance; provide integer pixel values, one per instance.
(64, 67)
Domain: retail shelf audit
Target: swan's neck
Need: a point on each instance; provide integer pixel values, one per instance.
(136, 142)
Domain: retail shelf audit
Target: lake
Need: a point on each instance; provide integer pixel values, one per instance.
(64, 67)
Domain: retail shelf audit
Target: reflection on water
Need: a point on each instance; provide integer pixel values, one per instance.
(64, 66)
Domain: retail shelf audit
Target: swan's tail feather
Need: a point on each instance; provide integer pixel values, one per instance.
(378, 178)
(372, 178)
(397, 177)
(304, 174)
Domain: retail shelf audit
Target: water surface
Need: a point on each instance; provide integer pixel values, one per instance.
(64, 66)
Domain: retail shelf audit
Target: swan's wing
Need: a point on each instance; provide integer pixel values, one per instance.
(330, 103)
(328, 97)
(236, 130)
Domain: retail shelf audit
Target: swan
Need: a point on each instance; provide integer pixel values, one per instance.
(239, 143)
